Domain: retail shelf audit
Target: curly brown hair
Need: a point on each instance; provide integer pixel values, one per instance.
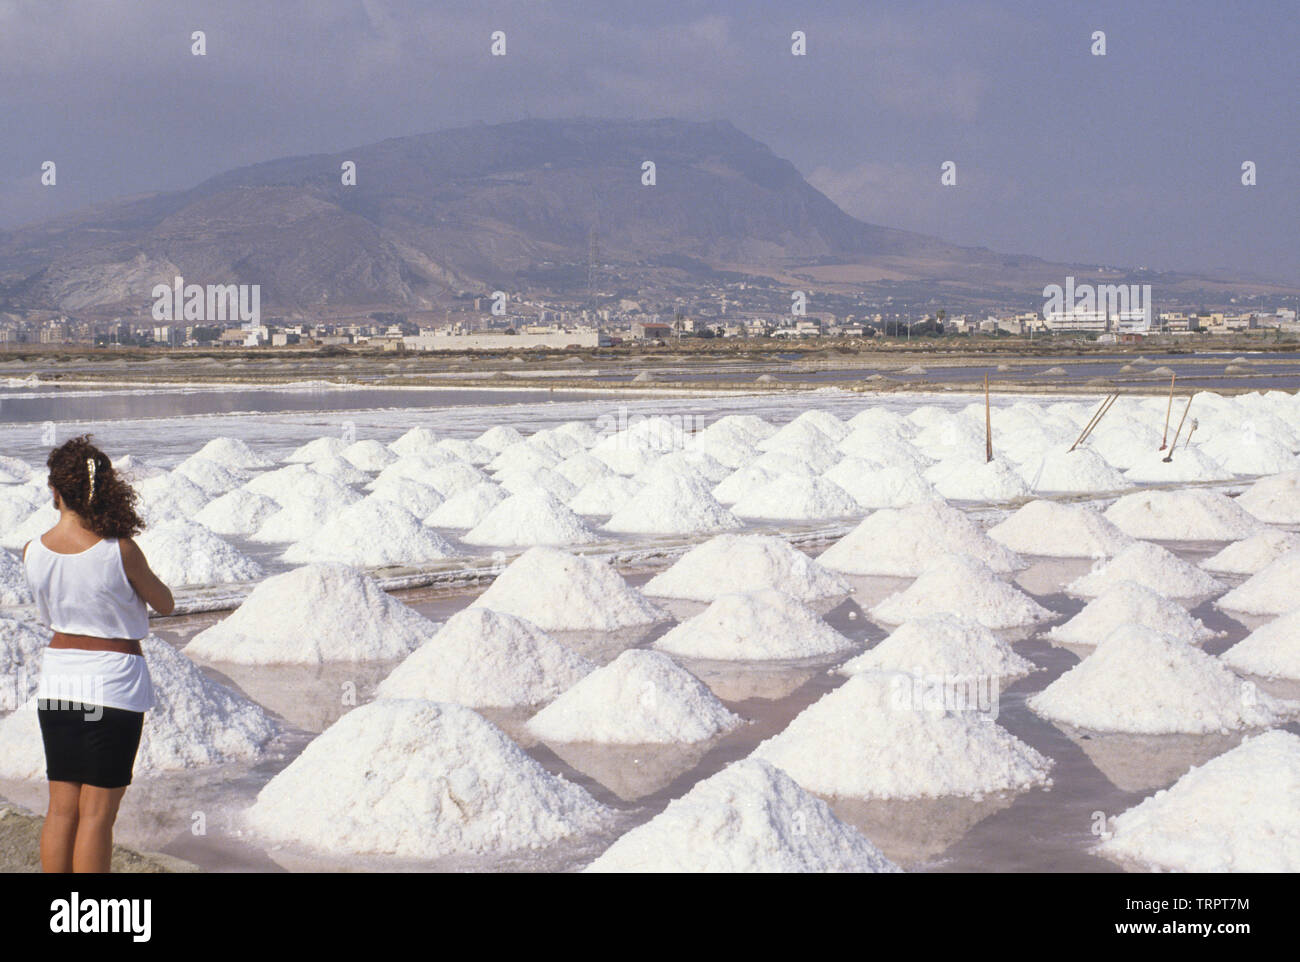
(107, 506)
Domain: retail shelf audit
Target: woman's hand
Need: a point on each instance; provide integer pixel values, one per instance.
(146, 584)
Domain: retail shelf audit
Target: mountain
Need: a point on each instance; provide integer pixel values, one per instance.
(476, 208)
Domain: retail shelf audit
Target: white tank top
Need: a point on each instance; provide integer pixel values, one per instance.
(88, 593)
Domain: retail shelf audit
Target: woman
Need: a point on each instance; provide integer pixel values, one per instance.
(90, 582)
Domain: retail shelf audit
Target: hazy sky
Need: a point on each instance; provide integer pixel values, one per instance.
(1132, 159)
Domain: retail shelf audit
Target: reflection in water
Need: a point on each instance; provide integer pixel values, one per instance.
(912, 831)
(310, 697)
(632, 771)
(602, 647)
(1146, 763)
(740, 681)
(1047, 576)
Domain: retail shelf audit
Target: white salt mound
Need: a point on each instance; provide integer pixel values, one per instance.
(530, 518)
(22, 646)
(318, 450)
(169, 497)
(368, 455)
(517, 481)
(298, 520)
(499, 438)
(297, 482)
(1187, 515)
(213, 478)
(451, 479)
(339, 469)
(903, 542)
(32, 526)
(1270, 591)
(415, 441)
(750, 817)
(793, 498)
(1275, 500)
(420, 779)
(485, 659)
(557, 591)
(961, 585)
(468, 507)
(756, 626)
(233, 453)
(1064, 472)
(1142, 681)
(238, 513)
(1188, 464)
(974, 479)
(184, 553)
(1055, 529)
(640, 698)
(417, 498)
(1253, 554)
(894, 486)
(733, 564)
(13, 580)
(1272, 651)
(673, 504)
(195, 723)
(371, 533)
(1129, 603)
(868, 739)
(944, 645)
(1151, 566)
(604, 496)
(1235, 813)
(311, 615)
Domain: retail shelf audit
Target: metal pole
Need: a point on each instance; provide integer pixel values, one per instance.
(988, 423)
(1174, 444)
(1168, 411)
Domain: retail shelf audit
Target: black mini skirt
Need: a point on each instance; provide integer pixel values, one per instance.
(90, 744)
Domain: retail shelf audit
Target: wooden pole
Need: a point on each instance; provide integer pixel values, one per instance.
(988, 423)
(1096, 419)
(1169, 410)
(1170, 455)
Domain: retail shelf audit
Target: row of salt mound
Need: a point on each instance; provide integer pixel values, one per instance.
(237, 513)
(762, 625)
(532, 517)
(673, 504)
(1253, 554)
(536, 479)
(1057, 530)
(341, 470)
(750, 817)
(468, 507)
(195, 722)
(233, 453)
(581, 469)
(1270, 591)
(789, 497)
(499, 438)
(1235, 813)
(169, 497)
(319, 449)
(734, 564)
(1270, 651)
(211, 477)
(1275, 500)
(1080, 471)
(557, 591)
(640, 698)
(1127, 602)
(415, 496)
(22, 646)
(312, 615)
(371, 533)
(487, 659)
(605, 496)
(295, 521)
(1191, 515)
(420, 779)
(1142, 681)
(13, 581)
(1187, 464)
(874, 487)
(944, 645)
(956, 583)
(368, 455)
(902, 542)
(298, 482)
(867, 739)
(1149, 565)
(184, 553)
(416, 441)
(976, 479)
(1257, 455)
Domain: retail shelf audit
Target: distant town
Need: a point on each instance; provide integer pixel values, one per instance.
(530, 323)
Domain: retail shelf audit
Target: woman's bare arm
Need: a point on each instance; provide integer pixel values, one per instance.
(146, 584)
